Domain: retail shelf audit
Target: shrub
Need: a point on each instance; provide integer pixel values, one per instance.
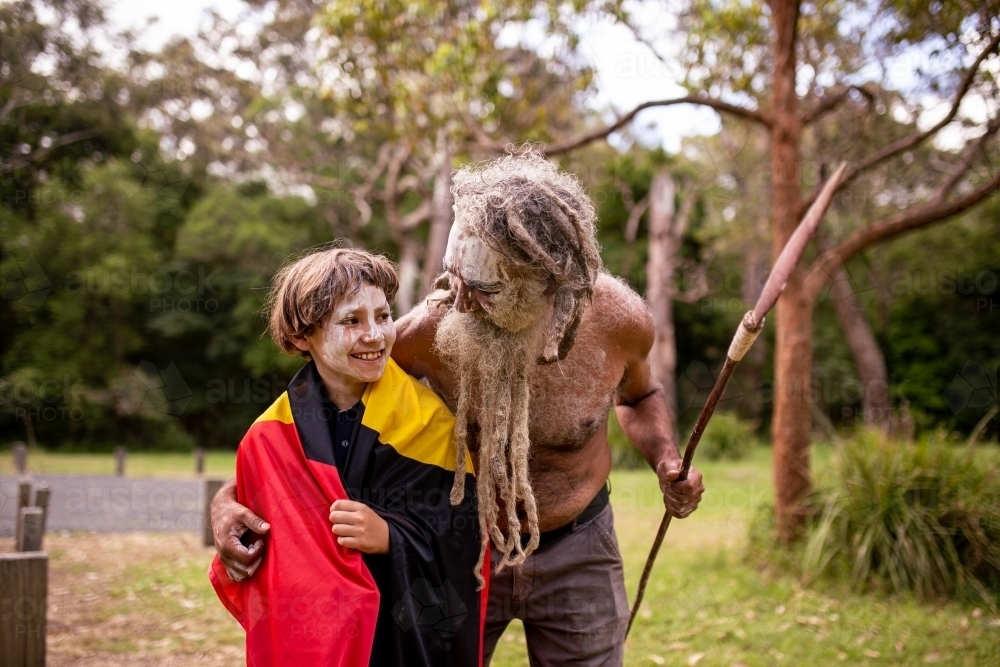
(624, 455)
(921, 517)
(726, 437)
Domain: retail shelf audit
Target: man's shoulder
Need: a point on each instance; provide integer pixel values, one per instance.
(421, 322)
(414, 347)
(609, 286)
(619, 308)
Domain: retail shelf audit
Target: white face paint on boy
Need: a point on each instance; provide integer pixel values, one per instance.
(352, 346)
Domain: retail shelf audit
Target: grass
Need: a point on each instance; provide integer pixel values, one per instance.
(144, 599)
(175, 465)
(707, 605)
(135, 599)
(917, 517)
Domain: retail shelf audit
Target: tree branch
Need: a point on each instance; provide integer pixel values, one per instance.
(62, 140)
(822, 270)
(570, 144)
(634, 216)
(965, 161)
(416, 216)
(13, 103)
(679, 228)
(645, 42)
(390, 189)
(829, 103)
(697, 279)
(912, 140)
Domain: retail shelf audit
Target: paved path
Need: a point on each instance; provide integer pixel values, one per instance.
(110, 504)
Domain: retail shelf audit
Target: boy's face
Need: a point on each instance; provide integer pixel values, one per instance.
(354, 343)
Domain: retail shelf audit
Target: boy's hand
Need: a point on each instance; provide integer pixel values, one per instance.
(358, 527)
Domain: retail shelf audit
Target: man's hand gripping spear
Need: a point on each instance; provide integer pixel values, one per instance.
(747, 333)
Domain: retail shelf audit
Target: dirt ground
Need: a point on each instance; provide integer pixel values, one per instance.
(135, 599)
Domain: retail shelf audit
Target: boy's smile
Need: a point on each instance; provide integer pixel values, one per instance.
(353, 345)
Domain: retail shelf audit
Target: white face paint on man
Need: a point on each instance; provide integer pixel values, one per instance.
(472, 261)
(486, 284)
(353, 345)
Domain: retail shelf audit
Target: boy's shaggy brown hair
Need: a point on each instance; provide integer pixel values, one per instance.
(304, 292)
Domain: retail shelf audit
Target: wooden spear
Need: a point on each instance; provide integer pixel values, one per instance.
(747, 333)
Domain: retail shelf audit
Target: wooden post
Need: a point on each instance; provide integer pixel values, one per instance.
(120, 455)
(199, 460)
(29, 529)
(42, 496)
(20, 451)
(24, 582)
(23, 501)
(212, 487)
(24, 495)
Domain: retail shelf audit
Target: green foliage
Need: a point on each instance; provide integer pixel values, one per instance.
(624, 455)
(943, 318)
(104, 186)
(149, 331)
(726, 437)
(60, 110)
(411, 67)
(918, 517)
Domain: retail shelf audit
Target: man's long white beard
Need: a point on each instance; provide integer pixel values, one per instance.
(493, 366)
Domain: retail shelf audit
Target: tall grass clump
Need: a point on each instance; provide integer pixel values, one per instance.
(726, 437)
(921, 517)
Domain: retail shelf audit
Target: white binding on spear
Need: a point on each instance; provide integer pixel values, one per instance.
(747, 333)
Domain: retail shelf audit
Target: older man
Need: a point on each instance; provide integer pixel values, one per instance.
(531, 345)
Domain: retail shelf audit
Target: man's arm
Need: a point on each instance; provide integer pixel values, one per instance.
(645, 418)
(229, 521)
(414, 346)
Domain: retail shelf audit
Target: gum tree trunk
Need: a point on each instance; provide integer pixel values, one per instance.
(793, 314)
(869, 362)
(408, 265)
(441, 213)
(663, 245)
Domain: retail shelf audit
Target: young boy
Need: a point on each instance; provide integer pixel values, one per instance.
(357, 441)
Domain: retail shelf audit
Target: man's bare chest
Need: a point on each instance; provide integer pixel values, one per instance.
(570, 399)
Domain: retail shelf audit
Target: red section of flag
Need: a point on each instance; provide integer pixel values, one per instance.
(312, 602)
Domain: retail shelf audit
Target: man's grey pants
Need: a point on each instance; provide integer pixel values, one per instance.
(571, 597)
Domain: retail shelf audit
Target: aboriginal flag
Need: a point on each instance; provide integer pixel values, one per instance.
(314, 602)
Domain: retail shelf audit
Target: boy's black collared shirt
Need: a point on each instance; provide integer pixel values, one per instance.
(343, 429)
(430, 612)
